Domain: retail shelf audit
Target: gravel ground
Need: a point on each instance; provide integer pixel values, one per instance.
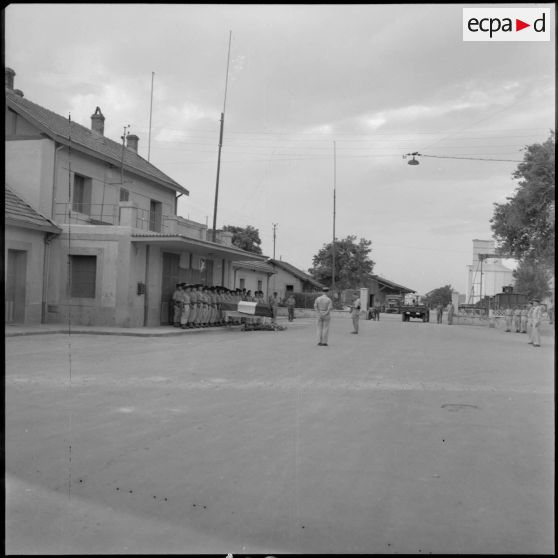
(406, 438)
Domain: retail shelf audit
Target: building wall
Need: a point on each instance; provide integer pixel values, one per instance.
(279, 281)
(32, 244)
(106, 186)
(251, 279)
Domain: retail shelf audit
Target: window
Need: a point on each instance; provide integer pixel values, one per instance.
(260, 285)
(241, 283)
(83, 276)
(81, 194)
(124, 195)
(155, 216)
(289, 288)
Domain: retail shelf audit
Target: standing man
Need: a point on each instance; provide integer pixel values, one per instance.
(517, 319)
(176, 305)
(536, 322)
(274, 303)
(355, 313)
(439, 313)
(450, 313)
(530, 307)
(291, 302)
(524, 317)
(508, 315)
(185, 306)
(323, 306)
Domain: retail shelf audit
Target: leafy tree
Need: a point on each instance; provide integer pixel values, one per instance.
(532, 280)
(352, 264)
(246, 238)
(524, 226)
(441, 295)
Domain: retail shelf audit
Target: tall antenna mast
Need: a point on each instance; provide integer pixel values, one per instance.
(333, 243)
(150, 113)
(274, 235)
(214, 232)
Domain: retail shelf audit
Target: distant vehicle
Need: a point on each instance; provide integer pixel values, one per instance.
(393, 304)
(419, 311)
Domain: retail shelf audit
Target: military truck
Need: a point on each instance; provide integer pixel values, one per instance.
(419, 311)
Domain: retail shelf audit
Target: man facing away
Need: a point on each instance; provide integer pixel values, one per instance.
(291, 302)
(323, 307)
(274, 304)
(535, 323)
(355, 313)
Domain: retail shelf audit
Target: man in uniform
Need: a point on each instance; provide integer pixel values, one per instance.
(524, 317)
(176, 305)
(530, 323)
(355, 313)
(323, 306)
(517, 319)
(536, 322)
(204, 299)
(450, 313)
(508, 316)
(291, 302)
(274, 303)
(439, 313)
(193, 317)
(212, 295)
(185, 306)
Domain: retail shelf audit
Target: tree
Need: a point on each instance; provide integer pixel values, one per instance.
(532, 280)
(441, 295)
(246, 238)
(352, 264)
(524, 226)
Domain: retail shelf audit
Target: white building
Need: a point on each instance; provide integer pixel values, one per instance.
(487, 275)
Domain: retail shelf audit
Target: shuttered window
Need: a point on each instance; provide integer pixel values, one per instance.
(83, 276)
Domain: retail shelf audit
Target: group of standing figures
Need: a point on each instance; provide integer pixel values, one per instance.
(198, 306)
(525, 320)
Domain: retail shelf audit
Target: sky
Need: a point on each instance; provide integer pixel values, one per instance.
(320, 102)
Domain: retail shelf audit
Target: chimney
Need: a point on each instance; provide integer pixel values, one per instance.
(9, 74)
(132, 142)
(98, 121)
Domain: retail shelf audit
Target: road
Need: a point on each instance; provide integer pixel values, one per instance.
(407, 438)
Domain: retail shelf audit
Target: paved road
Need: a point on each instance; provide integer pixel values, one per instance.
(406, 438)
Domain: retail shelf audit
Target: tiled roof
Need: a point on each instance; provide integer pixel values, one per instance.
(296, 272)
(19, 213)
(391, 284)
(254, 266)
(59, 128)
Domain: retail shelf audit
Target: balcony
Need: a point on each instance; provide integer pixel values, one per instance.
(122, 214)
(127, 214)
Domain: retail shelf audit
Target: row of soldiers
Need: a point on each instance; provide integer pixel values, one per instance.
(518, 318)
(197, 305)
(525, 320)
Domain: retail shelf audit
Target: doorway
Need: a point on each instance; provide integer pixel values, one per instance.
(15, 286)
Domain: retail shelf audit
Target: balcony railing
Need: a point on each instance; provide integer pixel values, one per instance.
(110, 215)
(87, 214)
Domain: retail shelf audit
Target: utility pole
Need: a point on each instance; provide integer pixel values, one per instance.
(150, 113)
(333, 243)
(274, 227)
(214, 232)
(124, 134)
